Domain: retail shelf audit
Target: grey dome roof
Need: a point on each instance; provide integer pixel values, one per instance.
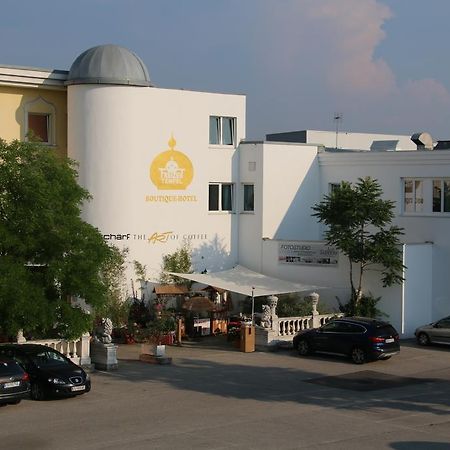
(109, 64)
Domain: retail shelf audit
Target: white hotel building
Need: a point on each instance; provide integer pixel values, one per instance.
(166, 166)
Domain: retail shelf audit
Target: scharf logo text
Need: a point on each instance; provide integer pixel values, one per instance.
(157, 237)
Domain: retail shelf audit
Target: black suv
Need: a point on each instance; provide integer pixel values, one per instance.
(360, 338)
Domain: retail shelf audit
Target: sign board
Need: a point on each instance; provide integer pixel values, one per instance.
(308, 253)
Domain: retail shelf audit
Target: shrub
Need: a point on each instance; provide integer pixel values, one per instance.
(366, 307)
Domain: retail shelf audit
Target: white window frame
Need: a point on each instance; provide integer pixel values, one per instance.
(417, 200)
(220, 131)
(332, 187)
(248, 211)
(220, 198)
(442, 199)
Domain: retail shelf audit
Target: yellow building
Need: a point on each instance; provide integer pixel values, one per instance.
(34, 101)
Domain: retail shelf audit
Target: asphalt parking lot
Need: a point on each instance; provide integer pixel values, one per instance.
(215, 397)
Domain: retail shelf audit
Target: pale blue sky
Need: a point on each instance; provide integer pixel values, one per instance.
(384, 64)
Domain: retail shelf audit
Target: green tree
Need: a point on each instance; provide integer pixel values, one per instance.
(179, 262)
(48, 254)
(117, 304)
(358, 223)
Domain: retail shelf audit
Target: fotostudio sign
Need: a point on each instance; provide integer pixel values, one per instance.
(307, 253)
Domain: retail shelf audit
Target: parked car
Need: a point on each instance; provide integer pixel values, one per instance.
(434, 333)
(51, 373)
(14, 382)
(360, 338)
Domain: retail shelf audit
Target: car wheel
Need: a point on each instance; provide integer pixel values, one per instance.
(303, 347)
(37, 393)
(358, 355)
(423, 339)
(15, 402)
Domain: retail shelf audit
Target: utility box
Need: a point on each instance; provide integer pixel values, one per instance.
(247, 338)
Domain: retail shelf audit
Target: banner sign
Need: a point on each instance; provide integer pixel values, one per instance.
(307, 253)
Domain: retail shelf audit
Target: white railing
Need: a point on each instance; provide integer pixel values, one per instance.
(289, 326)
(77, 350)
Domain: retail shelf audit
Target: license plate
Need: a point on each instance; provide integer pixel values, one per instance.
(78, 388)
(388, 341)
(12, 384)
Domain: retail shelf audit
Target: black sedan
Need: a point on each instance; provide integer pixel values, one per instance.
(14, 382)
(360, 338)
(51, 373)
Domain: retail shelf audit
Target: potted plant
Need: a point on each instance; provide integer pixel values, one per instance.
(153, 334)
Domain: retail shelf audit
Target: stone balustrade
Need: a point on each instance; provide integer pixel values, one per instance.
(77, 350)
(290, 326)
(283, 329)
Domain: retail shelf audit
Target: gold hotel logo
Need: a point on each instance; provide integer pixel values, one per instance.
(172, 169)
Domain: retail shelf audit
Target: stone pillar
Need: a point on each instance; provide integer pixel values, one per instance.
(84, 349)
(314, 298)
(273, 301)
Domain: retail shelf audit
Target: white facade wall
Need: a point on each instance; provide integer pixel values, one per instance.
(294, 177)
(116, 132)
(286, 184)
(251, 171)
(389, 169)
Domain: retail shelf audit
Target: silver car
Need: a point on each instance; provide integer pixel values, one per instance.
(436, 332)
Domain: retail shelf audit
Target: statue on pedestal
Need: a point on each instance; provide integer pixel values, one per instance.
(103, 352)
(266, 318)
(103, 331)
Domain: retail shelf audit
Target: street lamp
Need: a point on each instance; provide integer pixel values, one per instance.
(253, 306)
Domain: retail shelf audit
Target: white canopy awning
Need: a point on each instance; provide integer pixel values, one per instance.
(245, 281)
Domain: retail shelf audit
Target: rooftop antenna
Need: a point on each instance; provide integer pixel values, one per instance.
(337, 119)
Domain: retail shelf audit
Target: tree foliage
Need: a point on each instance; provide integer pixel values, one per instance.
(179, 262)
(358, 223)
(117, 304)
(48, 254)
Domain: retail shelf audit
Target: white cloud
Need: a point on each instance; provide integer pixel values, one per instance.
(325, 50)
(354, 31)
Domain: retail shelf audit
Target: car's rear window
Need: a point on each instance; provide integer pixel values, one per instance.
(385, 329)
(8, 368)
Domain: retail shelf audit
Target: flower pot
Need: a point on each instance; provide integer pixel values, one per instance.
(160, 350)
(153, 349)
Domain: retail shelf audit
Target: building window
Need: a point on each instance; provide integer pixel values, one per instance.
(333, 186)
(441, 195)
(39, 127)
(220, 197)
(413, 195)
(222, 130)
(39, 121)
(249, 197)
